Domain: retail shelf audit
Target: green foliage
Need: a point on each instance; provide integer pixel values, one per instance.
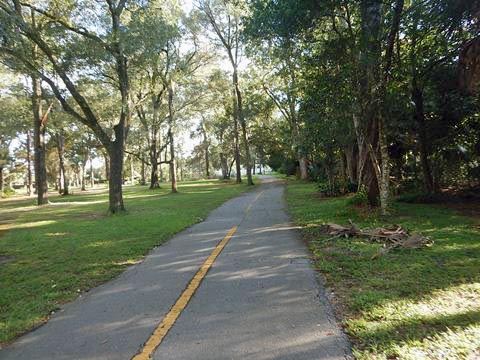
(360, 198)
(7, 192)
(407, 304)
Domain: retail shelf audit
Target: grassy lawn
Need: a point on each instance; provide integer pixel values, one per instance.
(407, 304)
(51, 254)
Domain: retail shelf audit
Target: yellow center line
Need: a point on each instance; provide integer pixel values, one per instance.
(254, 201)
(169, 320)
(161, 331)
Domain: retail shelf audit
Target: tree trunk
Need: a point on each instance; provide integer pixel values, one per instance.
(143, 179)
(173, 160)
(224, 166)
(107, 167)
(92, 175)
(238, 165)
(1, 180)
(368, 129)
(132, 171)
(39, 127)
(241, 119)
(29, 164)
(351, 158)
(417, 97)
(82, 172)
(115, 180)
(61, 158)
(385, 168)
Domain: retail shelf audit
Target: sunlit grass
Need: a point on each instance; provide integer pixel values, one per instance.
(407, 304)
(71, 245)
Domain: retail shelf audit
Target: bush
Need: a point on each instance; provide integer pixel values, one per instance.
(360, 198)
(329, 190)
(7, 192)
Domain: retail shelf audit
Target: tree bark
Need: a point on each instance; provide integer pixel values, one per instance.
(224, 166)
(417, 98)
(61, 158)
(1, 179)
(206, 146)
(243, 125)
(115, 180)
(238, 165)
(30, 190)
(39, 128)
(143, 179)
(83, 171)
(92, 175)
(107, 167)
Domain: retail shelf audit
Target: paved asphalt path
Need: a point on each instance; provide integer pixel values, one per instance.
(260, 300)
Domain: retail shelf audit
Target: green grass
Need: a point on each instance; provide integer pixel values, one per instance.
(407, 304)
(60, 250)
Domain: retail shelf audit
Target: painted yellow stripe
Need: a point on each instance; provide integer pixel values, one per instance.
(253, 202)
(161, 331)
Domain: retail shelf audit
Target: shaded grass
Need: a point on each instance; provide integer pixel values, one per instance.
(62, 249)
(407, 304)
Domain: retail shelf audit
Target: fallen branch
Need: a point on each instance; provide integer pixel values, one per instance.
(396, 237)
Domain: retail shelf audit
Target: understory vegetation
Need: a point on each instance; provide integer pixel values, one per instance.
(408, 303)
(50, 255)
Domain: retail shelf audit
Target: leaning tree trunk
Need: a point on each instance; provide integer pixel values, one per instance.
(236, 142)
(243, 125)
(39, 129)
(61, 159)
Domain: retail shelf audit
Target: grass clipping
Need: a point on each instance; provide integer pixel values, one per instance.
(392, 238)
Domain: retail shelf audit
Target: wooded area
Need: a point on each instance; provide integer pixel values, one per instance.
(363, 113)
(379, 98)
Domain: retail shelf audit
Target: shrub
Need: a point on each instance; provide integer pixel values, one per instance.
(360, 198)
(7, 192)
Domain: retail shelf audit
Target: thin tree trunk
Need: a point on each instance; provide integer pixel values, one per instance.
(39, 142)
(29, 164)
(243, 125)
(82, 172)
(132, 170)
(1, 179)
(206, 147)
(61, 158)
(92, 175)
(236, 140)
(143, 179)
(173, 160)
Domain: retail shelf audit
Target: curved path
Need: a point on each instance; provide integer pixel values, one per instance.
(260, 299)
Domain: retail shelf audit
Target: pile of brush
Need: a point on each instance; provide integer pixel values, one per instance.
(391, 238)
